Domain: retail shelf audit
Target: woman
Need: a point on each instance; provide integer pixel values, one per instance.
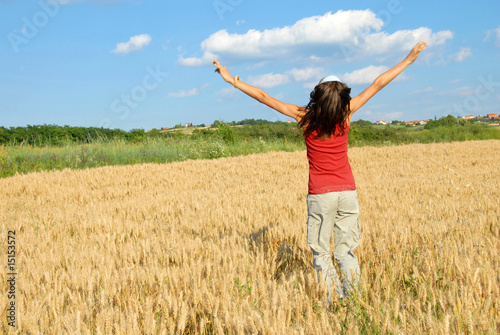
(331, 201)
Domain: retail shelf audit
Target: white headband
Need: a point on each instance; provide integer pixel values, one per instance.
(329, 78)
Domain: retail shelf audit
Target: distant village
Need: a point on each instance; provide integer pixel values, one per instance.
(492, 117)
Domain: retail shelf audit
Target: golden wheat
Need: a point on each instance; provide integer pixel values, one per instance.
(220, 246)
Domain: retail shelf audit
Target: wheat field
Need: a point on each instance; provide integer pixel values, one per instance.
(219, 246)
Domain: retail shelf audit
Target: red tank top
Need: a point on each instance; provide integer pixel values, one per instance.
(329, 168)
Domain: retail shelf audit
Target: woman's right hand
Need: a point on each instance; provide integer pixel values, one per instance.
(415, 52)
(223, 71)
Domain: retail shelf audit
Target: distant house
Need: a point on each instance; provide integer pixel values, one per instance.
(413, 122)
(422, 122)
(290, 121)
(492, 116)
(468, 117)
(381, 122)
(164, 128)
(479, 117)
(189, 124)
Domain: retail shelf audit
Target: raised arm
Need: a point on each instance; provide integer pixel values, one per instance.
(386, 77)
(291, 110)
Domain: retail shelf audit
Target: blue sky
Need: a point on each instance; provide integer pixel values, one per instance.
(146, 64)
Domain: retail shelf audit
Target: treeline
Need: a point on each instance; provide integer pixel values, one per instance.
(446, 129)
(53, 135)
(48, 147)
(448, 121)
(362, 132)
(42, 135)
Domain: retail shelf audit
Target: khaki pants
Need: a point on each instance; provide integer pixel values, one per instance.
(337, 213)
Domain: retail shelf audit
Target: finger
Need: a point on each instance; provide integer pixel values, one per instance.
(216, 63)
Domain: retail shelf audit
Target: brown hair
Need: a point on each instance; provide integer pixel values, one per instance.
(329, 107)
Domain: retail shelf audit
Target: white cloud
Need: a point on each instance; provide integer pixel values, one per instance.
(135, 43)
(463, 54)
(463, 91)
(344, 34)
(193, 61)
(256, 66)
(329, 28)
(364, 76)
(401, 40)
(187, 93)
(227, 93)
(393, 115)
(306, 73)
(428, 89)
(495, 33)
(315, 58)
(269, 80)
(299, 75)
(184, 94)
(343, 26)
(310, 84)
(312, 75)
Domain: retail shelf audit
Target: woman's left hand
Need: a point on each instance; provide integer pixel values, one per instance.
(415, 52)
(223, 71)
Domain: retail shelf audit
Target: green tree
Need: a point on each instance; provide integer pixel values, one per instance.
(4, 135)
(448, 121)
(362, 123)
(431, 124)
(226, 132)
(136, 135)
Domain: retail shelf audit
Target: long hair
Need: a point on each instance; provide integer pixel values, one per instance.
(328, 108)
